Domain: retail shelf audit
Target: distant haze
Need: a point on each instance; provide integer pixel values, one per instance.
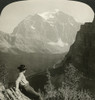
(14, 13)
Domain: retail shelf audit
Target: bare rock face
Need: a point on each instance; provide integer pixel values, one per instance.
(82, 52)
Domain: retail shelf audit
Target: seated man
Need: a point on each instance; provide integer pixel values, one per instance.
(24, 84)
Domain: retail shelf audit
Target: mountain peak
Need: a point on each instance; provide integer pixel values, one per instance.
(49, 32)
(49, 14)
(52, 14)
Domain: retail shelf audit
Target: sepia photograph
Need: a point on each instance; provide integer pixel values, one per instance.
(47, 49)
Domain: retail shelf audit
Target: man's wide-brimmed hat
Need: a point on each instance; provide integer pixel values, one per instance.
(21, 68)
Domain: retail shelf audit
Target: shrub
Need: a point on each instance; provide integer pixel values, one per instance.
(69, 89)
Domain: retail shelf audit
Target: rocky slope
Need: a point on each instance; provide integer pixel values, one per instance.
(82, 52)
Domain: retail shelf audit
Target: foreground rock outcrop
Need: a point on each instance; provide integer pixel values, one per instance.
(10, 94)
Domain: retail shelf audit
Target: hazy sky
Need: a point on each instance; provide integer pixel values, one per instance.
(16, 12)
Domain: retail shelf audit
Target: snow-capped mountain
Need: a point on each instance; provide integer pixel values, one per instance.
(49, 32)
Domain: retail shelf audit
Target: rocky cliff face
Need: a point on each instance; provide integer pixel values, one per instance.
(82, 52)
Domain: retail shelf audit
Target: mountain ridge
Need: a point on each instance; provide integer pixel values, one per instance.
(35, 34)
